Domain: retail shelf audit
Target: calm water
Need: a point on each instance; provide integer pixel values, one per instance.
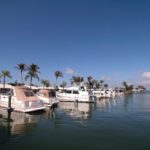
(116, 124)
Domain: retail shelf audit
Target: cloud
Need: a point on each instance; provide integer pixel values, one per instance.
(146, 75)
(70, 71)
(146, 82)
(106, 78)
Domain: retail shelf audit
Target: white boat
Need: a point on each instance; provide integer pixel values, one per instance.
(98, 93)
(48, 97)
(109, 93)
(75, 94)
(104, 93)
(22, 99)
(119, 92)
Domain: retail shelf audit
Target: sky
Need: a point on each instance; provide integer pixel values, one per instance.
(107, 39)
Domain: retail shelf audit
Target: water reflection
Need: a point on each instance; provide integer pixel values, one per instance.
(15, 124)
(124, 103)
(115, 124)
(106, 103)
(77, 110)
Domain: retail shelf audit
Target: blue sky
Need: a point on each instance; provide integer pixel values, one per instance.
(107, 39)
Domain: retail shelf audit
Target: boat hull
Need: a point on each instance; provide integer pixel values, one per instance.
(20, 107)
(76, 99)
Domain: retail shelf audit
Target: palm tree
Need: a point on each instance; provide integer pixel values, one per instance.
(125, 84)
(21, 67)
(33, 71)
(45, 83)
(128, 88)
(58, 74)
(64, 84)
(77, 80)
(90, 82)
(101, 83)
(141, 88)
(105, 86)
(4, 74)
(97, 84)
(89, 78)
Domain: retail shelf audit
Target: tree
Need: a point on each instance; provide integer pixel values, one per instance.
(90, 82)
(33, 71)
(45, 83)
(106, 86)
(97, 84)
(128, 89)
(89, 78)
(76, 80)
(4, 74)
(125, 84)
(141, 88)
(21, 67)
(58, 74)
(64, 84)
(101, 83)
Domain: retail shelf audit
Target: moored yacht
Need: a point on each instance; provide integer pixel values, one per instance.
(22, 99)
(48, 97)
(75, 94)
(104, 93)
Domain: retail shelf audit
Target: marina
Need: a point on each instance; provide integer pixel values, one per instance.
(116, 124)
(74, 75)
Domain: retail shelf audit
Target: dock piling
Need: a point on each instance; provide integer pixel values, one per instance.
(9, 109)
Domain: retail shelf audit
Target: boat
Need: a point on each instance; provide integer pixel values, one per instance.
(75, 94)
(104, 93)
(48, 97)
(119, 91)
(98, 93)
(22, 99)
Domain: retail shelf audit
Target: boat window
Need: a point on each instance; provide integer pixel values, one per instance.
(68, 91)
(40, 94)
(75, 92)
(6, 91)
(28, 92)
(52, 94)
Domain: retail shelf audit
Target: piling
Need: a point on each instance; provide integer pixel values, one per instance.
(9, 109)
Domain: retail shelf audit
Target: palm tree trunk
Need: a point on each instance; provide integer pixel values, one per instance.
(56, 81)
(4, 83)
(30, 82)
(21, 78)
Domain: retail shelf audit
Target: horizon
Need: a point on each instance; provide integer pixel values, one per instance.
(108, 40)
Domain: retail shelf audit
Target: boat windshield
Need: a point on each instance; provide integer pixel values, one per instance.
(68, 91)
(28, 92)
(75, 92)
